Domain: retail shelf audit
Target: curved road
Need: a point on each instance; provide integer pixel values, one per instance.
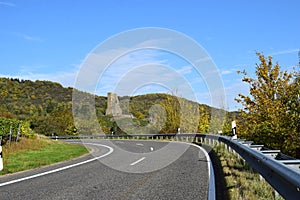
(117, 170)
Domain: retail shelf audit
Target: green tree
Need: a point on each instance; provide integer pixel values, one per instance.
(267, 113)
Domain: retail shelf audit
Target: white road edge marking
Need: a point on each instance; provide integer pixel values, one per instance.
(211, 176)
(139, 144)
(136, 162)
(62, 168)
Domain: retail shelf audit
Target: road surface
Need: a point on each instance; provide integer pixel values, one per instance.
(117, 170)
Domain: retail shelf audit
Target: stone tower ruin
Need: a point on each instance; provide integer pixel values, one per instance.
(113, 105)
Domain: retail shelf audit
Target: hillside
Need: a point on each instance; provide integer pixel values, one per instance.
(21, 98)
(47, 106)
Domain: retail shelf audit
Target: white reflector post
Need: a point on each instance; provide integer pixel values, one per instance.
(1, 160)
(233, 125)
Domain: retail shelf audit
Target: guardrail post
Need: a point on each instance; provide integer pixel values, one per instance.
(244, 161)
(261, 178)
(276, 194)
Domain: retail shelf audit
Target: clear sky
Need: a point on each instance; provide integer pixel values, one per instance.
(49, 39)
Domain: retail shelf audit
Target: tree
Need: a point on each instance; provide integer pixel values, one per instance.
(203, 119)
(172, 108)
(292, 99)
(267, 114)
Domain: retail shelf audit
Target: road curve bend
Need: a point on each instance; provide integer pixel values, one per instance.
(111, 173)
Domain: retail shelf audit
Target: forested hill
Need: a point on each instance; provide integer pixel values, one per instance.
(22, 98)
(47, 106)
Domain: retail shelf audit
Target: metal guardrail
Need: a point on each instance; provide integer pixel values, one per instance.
(281, 171)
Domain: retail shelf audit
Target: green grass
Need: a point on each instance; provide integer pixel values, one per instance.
(242, 182)
(33, 153)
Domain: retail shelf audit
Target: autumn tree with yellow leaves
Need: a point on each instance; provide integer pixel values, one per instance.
(271, 112)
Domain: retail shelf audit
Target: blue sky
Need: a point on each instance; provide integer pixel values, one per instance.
(49, 40)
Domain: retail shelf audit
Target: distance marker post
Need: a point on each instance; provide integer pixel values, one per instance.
(1, 160)
(233, 125)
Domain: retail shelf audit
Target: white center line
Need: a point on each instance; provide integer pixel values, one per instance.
(136, 162)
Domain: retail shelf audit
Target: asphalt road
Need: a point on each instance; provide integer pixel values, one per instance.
(117, 170)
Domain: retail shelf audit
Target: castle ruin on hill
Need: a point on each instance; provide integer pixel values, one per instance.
(113, 105)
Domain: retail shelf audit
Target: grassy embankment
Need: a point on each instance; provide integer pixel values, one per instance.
(241, 181)
(39, 151)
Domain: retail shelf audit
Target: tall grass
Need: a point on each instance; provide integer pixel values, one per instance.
(242, 182)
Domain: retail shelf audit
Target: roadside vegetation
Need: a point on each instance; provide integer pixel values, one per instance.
(242, 183)
(35, 152)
